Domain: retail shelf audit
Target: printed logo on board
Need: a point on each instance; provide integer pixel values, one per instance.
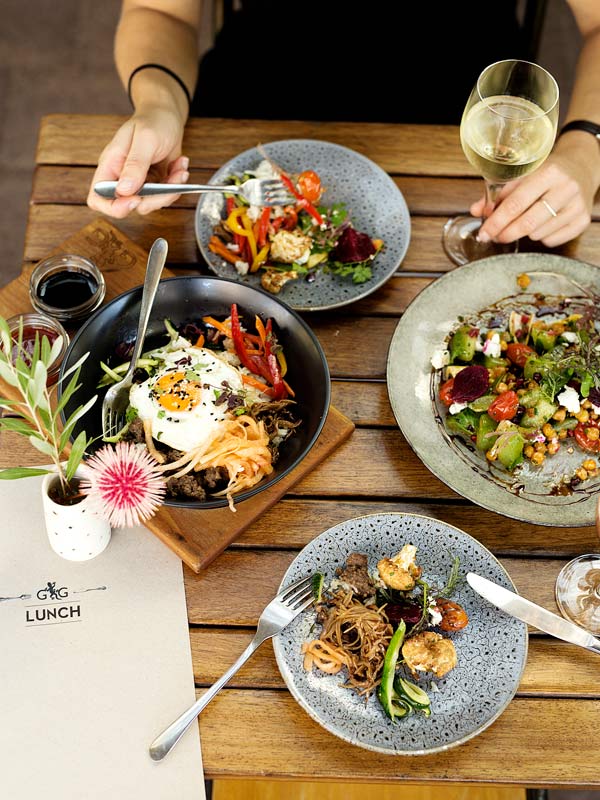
(56, 605)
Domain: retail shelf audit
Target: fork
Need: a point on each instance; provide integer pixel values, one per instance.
(116, 399)
(256, 191)
(276, 616)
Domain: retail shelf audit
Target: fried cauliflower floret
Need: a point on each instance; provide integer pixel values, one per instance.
(401, 571)
(429, 652)
(289, 246)
(273, 280)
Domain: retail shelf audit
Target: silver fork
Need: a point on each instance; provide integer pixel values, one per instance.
(116, 400)
(280, 612)
(256, 191)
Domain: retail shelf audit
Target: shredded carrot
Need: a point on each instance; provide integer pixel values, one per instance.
(216, 246)
(262, 387)
(220, 326)
(261, 330)
(200, 341)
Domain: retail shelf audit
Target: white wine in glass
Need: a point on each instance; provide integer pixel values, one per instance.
(577, 588)
(508, 128)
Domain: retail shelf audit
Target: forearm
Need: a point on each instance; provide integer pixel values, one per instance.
(147, 35)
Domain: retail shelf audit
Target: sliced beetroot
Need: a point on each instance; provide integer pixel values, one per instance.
(594, 396)
(409, 612)
(470, 383)
(352, 246)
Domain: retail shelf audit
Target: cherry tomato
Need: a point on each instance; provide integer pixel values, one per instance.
(504, 406)
(454, 617)
(583, 440)
(518, 353)
(446, 392)
(309, 185)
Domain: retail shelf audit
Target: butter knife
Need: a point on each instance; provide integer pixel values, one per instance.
(529, 612)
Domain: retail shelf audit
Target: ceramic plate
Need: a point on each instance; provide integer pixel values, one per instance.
(375, 204)
(491, 650)
(412, 386)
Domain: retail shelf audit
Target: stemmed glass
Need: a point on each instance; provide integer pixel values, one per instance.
(507, 129)
(577, 588)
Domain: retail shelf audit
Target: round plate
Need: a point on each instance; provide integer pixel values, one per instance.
(491, 650)
(412, 386)
(187, 299)
(374, 202)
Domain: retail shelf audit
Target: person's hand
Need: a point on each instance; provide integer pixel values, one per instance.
(566, 181)
(146, 148)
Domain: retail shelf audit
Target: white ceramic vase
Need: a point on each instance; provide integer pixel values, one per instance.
(75, 532)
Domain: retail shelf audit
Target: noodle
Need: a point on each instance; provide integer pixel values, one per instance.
(354, 635)
(241, 447)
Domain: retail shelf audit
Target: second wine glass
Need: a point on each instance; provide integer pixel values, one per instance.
(508, 128)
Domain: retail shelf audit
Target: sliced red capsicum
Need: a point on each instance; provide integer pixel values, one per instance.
(263, 225)
(266, 366)
(302, 201)
(279, 388)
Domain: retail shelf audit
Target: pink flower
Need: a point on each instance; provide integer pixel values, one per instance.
(123, 484)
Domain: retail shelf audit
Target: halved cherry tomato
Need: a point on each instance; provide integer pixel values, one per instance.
(583, 440)
(446, 392)
(309, 185)
(454, 617)
(504, 406)
(518, 353)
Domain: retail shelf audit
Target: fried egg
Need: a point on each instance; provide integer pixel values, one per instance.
(180, 399)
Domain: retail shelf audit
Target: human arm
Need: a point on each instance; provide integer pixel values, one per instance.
(150, 141)
(569, 178)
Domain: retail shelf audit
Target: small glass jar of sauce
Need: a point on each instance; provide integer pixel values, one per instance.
(66, 287)
(40, 325)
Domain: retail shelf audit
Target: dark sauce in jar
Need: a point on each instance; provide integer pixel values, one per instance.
(67, 288)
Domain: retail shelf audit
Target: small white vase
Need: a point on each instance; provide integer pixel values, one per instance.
(75, 532)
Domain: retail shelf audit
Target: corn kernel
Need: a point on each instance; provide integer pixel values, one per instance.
(562, 434)
(593, 434)
(528, 451)
(553, 448)
(587, 403)
(501, 387)
(548, 431)
(523, 280)
(589, 464)
(583, 415)
(538, 458)
(503, 345)
(581, 473)
(540, 447)
(490, 455)
(560, 415)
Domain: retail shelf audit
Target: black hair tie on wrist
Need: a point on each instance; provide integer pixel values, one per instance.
(162, 69)
(582, 125)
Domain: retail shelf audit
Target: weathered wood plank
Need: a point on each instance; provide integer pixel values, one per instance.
(520, 747)
(235, 588)
(553, 668)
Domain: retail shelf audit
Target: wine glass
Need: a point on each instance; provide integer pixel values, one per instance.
(577, 588)
(507, 129)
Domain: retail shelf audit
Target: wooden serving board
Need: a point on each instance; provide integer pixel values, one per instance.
(197, 536)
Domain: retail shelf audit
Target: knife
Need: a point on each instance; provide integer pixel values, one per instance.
(535, 615)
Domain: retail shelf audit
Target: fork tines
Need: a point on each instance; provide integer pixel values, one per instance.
(275, 192)
(297, 593)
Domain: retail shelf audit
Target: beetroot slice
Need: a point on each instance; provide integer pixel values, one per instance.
(470, 383)
(352, 246)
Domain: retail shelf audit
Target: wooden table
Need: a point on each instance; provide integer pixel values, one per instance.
(547, 735)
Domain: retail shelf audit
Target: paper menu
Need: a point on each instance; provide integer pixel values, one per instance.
(95, 662)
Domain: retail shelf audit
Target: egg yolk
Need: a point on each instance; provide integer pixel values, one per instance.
(176, 393)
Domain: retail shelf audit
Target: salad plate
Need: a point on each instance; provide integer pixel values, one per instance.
(540, 493)
(491, 650)
(373, 202)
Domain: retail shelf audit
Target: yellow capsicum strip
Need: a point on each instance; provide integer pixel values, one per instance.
(261, 257)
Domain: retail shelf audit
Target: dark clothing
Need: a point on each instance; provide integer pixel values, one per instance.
(375, 60)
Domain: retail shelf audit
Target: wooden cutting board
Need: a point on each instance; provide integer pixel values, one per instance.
(197, 536)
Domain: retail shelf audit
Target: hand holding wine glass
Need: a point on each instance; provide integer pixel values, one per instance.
(507, 130)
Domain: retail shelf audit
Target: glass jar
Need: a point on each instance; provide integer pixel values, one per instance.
(67, 287)
(42, 325)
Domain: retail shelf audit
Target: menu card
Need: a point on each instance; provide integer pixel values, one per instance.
(95, 663)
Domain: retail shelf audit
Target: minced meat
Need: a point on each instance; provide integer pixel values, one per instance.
(356, 575)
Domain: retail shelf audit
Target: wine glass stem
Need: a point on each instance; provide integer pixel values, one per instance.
(492, 193)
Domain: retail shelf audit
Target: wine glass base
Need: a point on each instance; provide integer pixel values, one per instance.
(460, 241)
(577, 592)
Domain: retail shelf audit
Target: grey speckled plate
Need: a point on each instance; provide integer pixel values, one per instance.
(491, 650)
(375, 204)
(412, 386)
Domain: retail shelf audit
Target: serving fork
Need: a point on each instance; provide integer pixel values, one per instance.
(116, 399)
(256, 191)
(285, 607)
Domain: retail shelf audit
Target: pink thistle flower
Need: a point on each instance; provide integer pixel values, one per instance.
(123, 484)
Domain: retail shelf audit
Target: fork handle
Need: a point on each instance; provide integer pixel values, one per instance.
(108, 189)
(167, 740)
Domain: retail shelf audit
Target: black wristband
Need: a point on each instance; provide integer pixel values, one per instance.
(582, 125)
(162, 69)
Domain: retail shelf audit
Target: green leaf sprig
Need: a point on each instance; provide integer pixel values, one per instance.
(32, 415)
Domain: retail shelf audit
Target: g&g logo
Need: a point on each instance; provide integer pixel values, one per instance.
(50, 592)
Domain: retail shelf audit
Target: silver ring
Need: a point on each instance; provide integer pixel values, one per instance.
(549, 207)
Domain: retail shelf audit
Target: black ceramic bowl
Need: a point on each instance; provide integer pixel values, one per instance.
(187, 299)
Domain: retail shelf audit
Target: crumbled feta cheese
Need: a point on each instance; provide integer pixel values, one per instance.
(456, 407)
(595, 409)
(492, 346)
(478, 345)
(570, 336)
(254, 212)
(569, 398)
(264, 170)
(232, 246)
(242, 267)
(440, 358)
(435, 616)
